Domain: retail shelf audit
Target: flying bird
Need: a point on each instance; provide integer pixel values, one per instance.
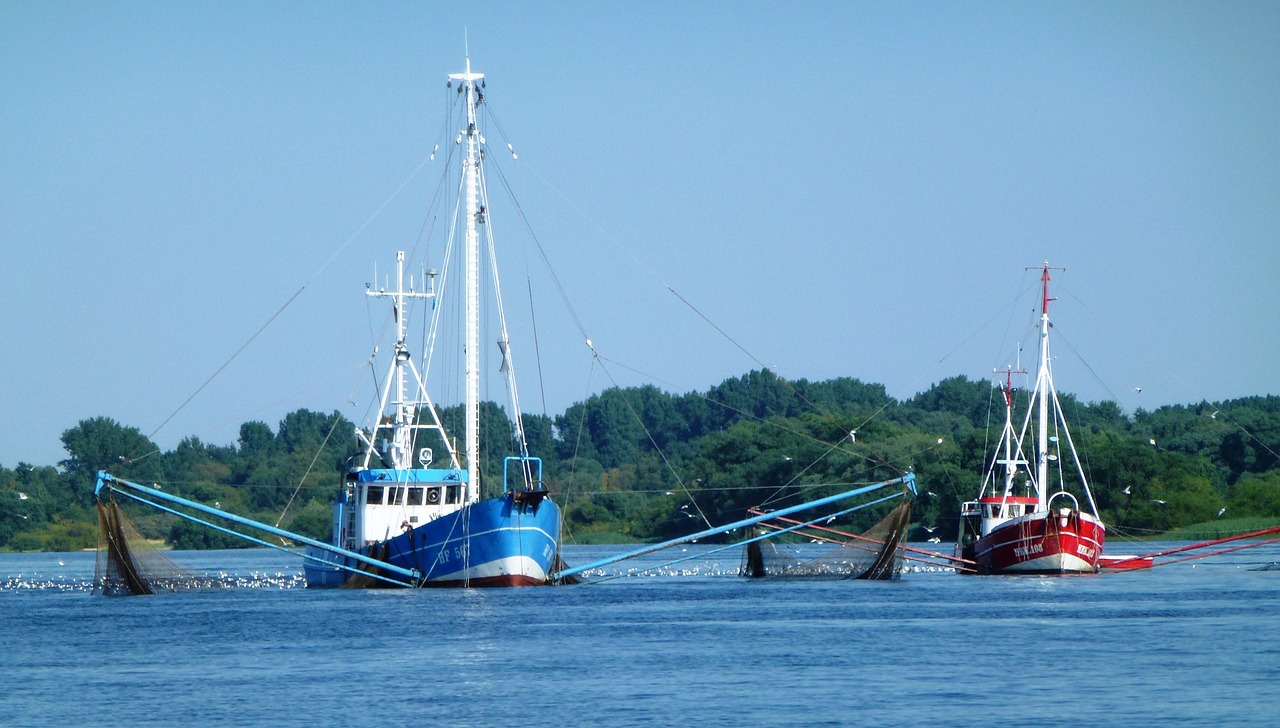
(1128, 489)
(1224, 510)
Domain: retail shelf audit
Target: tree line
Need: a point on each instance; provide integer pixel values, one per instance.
(639, 463)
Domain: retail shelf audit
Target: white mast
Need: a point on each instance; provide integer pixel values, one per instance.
(401, 410)
(1009, 462)
(471, 172)
(1044, 385)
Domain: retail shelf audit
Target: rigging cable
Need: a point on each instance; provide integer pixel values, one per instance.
(337, 419)
(663, 455)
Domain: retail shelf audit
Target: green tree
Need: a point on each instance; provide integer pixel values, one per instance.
(101, 443)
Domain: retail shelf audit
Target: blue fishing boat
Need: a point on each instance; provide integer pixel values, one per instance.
(393, 506)
(409, 511)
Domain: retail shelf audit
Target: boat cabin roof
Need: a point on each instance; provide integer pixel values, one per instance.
(414, 475)
(1008, 499)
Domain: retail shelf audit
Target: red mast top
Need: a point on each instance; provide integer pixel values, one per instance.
(1044, 281)
(1044, 278)
(1007, 389)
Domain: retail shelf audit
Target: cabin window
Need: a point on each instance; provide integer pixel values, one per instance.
(415, 497)
(374, 496)
(995, 511)
(396, 496)
(451, 493)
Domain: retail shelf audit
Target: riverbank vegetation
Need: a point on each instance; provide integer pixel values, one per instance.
(640, 464)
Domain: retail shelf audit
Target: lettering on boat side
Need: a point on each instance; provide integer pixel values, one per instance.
(1034, 548)
(1085, 551)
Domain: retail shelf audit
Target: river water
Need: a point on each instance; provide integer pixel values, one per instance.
(1186, 644)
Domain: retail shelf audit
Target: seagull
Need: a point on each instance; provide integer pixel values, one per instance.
(1214, 416)
(1157, 501)
(1127, 489)
(22, 496)
(829, 520)
(1151, 440)
(935, 539)
(1224, 510)
(1138, 390)
(930, 530)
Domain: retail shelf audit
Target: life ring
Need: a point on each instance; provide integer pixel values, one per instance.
(433, 495)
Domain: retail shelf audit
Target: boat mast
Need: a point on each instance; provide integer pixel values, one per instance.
(471, 171)
(1009, 463)
(401, 411)
(1044, 386)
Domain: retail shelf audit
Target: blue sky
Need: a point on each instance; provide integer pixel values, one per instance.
(845, 189)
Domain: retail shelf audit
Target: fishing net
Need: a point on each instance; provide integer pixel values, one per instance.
(875, 554)
(129, 565)
(370, 576)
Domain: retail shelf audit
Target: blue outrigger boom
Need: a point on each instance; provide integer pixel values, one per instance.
(908, 480)
(136, 491)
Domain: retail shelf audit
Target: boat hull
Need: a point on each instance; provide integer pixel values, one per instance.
(511, 540)
(1041, 543)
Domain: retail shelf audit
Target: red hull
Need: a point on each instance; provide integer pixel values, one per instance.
(1042, 543)
(488, 581)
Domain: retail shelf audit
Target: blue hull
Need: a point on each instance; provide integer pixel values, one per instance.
(506, 541)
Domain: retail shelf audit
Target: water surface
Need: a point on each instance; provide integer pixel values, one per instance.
(1186, 644)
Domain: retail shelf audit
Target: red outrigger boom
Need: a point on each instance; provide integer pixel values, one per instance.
(1147, 561)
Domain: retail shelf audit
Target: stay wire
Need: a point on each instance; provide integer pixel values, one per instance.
(288, 302)
(671, 468)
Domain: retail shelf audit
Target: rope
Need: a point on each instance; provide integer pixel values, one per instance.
(657, 449)
(303, 479)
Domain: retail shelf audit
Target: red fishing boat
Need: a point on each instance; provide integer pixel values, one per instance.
(1025, 520)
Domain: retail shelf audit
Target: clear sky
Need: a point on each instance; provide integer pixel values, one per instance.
(844, 188)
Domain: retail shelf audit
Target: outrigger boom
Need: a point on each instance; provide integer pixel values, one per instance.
(144, 494)
(131, 490)
(909, 480)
